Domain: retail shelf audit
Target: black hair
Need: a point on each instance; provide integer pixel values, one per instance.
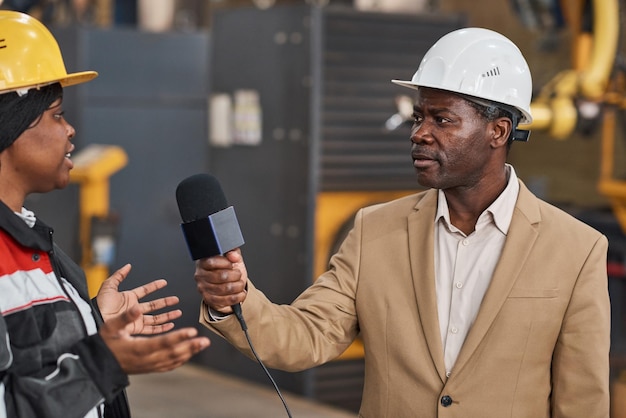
(494, 111)
(19, 113)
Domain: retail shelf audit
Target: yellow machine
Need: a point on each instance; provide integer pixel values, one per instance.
(594, 83)
(93, 167)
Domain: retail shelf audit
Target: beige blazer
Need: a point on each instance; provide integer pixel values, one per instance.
(539, 346)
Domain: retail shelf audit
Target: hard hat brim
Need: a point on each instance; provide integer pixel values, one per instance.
(403, 83)
(526, 116)
(65, 81)
(78, 78)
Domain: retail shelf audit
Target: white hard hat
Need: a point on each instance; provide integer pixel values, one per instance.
(480, 63)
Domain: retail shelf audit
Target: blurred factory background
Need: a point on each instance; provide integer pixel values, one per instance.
(289, 103)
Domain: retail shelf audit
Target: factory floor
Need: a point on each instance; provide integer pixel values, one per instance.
(193, 391)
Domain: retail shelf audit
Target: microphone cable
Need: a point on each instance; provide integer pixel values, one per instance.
(237, 311)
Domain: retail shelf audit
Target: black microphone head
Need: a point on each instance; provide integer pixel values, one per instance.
(199, 196)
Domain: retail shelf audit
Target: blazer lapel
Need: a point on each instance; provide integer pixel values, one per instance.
(520, 239)
(422, 262)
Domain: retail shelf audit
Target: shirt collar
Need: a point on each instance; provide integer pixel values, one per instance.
(27, 216)
(501, 209)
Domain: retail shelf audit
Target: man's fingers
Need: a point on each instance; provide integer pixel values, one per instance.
(234, 256)
(215, 262)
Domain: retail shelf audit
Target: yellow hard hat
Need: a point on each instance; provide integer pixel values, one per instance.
(30, 56)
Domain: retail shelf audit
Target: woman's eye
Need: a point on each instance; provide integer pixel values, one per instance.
(58, 115)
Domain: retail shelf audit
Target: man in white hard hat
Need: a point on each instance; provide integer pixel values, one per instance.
(61, 354)
(473, 299)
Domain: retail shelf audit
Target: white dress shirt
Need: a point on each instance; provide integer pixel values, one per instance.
(464, 265)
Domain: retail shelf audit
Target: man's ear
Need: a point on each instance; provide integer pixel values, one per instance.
(501, 131)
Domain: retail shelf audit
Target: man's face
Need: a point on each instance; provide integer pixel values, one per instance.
(451, 147)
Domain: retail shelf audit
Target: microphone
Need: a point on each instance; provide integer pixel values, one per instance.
(210, 228)
(209, 225)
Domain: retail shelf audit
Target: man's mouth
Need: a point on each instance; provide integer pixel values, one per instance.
(422, 160)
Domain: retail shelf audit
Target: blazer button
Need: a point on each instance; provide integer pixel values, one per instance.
(446, 401)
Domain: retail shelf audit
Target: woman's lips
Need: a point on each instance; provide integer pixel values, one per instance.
(68, 159)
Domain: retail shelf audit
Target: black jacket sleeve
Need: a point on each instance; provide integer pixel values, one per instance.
(85, 376)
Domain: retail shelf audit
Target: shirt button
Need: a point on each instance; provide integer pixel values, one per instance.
(448, 374)
(465, 242)
(446, 401)
(454, 330)
(458, 285)
(36, 257)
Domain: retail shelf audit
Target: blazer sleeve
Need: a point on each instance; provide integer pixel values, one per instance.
(317, 327)
(580, 367)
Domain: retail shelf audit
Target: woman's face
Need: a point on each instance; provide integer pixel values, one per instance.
(39, 159)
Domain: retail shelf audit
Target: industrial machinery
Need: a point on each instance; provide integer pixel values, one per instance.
(93, 167)
(593, 88)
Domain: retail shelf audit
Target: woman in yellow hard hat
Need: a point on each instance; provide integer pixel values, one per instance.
(61, 355)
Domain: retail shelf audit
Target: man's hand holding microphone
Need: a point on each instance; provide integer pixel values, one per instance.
(222, 280)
